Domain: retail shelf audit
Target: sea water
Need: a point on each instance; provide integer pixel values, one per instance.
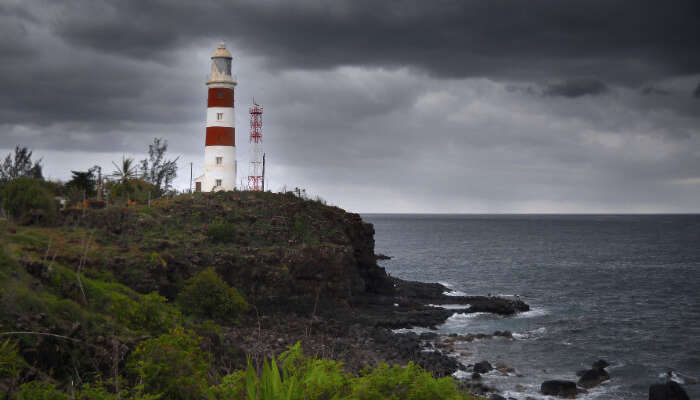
(625, 288)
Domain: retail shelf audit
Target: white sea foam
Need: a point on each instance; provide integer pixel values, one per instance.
(450, 306)
(451, 291)
(415, 329)
(533, 334)
(532, 391)
(459, 374)
(533, 312)
(459, 321)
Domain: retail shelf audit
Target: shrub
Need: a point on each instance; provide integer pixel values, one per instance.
(133, 190)
(149, 312)
(11, 363)
(222, 232)
(28, 200)
(172, 365)
(407, 383)
(207, 295)
(302, 378)
(40, 390)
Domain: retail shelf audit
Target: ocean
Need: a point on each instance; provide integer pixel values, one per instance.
(625, 288)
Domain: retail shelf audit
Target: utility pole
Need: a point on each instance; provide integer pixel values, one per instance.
(190, 177)
(263, 173)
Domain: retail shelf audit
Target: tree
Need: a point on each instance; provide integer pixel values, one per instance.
(84, 181)
(19, 165)
(28, 200)
(126, 171)
(156, 169)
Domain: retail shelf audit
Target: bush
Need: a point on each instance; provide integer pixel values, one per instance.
(11, 364)
(150, 313)
(133, 190)
(172, 365)
(222, 232)
(40, 390)
(302, 378)
(28, 200)
(207, 295)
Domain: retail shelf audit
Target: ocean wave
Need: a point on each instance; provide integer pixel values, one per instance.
(679, 378)
(454, 293)
(451, 290)
(533, 312)
(533, 334)
(415, 329)
(459, 321)
(532, 391)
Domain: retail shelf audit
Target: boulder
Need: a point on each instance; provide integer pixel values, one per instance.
(483, 367)
(428, 336)
(495, 396)
(593, 378)
(600, 364)
(667, 391)
(559, 388)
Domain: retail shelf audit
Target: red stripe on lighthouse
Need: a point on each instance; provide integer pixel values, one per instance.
(220, 97)
(220, 136)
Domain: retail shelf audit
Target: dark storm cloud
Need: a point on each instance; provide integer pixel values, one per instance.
(653, 90)
(436, 106)
(616, 39)
(696, 92)
(575, 88)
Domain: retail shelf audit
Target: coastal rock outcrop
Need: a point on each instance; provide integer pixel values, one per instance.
(483, 367)
(559, 388)
(667, 391)
(593, 377)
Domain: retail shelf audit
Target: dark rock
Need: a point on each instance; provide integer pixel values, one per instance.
(483, 367)
(495, 396)
(667, 391)
(600, 364)
(381, 256)
(559, 388)
(476, 375)
(593, 378)
(428, 335)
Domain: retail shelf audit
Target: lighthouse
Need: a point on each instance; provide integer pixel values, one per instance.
(220, 140)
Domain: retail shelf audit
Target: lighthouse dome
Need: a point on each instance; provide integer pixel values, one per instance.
(221, 52)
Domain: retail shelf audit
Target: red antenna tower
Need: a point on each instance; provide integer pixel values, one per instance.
(256, 171)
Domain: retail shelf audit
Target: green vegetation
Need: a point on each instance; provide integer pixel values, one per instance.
(301, 377)
(207, 295)
(222, 232)
(27, 200)
(138, 302)
(172, 365)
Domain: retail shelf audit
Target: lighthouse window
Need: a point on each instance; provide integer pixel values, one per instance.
(219, 116)
(219, 160)
(218, 182)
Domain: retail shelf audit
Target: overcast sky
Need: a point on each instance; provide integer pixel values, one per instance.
(377, 106)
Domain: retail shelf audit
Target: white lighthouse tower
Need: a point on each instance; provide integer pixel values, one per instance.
(220, 143)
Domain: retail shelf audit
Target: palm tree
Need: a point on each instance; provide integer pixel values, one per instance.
(126, 171)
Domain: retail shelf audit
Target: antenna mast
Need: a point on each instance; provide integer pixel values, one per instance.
(255, 174)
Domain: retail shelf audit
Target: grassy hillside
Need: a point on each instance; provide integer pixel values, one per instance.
(134, 302)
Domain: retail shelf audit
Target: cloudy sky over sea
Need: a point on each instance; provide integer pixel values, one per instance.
(378, 106)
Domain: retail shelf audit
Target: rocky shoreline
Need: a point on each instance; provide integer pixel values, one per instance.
(361, 332)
